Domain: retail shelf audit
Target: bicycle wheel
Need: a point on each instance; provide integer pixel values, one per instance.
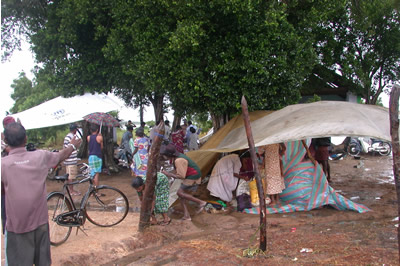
(106, 206)
(57, 204)
(386, 149)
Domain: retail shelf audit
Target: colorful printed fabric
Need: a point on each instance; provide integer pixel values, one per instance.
(306, 186)
(95, 164)
(162, 193)
(177, 138)
(139, 167)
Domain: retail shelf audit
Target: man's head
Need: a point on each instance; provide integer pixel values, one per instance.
(73, 127)
(140, 132)
(94, 128)
(167, 122)
(142, 124)
(8, 120)
(189, 122)
(15, 135)
(169, 151)
(192, 130)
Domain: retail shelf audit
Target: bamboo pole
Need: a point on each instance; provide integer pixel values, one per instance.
(394, 132)
(151, 178)
(263, 217)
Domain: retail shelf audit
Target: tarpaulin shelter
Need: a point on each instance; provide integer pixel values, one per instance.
(61, 111)
(298, 122)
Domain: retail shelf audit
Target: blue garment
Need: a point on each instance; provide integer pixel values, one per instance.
(94, 147)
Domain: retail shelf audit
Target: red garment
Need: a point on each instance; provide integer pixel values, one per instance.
(177, 138)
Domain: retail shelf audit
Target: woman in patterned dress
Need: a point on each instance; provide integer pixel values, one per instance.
(177, 138)
(274, 171)
(161, 195)
(140, 153)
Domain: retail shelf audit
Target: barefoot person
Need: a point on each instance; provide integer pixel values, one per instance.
(187, 170)
(161, 196)
(273, 170)
(71, 162)
(95, 140)
(23, 175)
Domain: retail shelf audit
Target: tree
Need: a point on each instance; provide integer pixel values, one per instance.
(362, 43)
(28, 94)
(193, 54)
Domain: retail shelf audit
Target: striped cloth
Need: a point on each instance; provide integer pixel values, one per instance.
(306, 186)
(73, 158)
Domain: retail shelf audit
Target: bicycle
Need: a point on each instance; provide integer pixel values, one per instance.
(103, 206)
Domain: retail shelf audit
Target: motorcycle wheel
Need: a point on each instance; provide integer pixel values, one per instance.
(386, 149)
(353, 149)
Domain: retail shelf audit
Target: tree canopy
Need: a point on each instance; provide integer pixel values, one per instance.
(204, 55)
(362, 43)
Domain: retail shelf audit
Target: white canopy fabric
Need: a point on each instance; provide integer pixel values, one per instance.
(319, 119)
(60, 110)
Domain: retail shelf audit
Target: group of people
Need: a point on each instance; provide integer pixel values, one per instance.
(226, 173)
(172, 150)
(184, 136)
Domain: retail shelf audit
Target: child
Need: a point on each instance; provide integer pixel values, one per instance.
(274, 171)
(193, 140)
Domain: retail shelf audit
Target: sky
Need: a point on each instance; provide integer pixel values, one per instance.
(24, 61)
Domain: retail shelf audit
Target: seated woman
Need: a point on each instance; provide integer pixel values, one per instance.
(161, 196)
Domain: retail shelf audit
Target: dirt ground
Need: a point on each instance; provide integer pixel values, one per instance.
(323, 237)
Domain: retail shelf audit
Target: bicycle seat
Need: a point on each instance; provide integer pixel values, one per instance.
(61, 177)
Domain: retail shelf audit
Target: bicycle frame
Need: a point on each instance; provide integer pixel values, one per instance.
(80, 219)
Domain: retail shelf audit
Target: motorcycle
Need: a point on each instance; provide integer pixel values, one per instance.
(368, 145)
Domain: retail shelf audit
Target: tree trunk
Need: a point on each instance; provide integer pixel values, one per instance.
(83, 149)
(260, 188)
(219, 121)
(158, 104)
(108, 150)
(176, 122)
(151, 179)
(141, 112)
(394, 132)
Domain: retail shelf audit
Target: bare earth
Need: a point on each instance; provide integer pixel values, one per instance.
(329, 236)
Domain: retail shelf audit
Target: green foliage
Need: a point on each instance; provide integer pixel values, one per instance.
(315, 98)
(362, 43)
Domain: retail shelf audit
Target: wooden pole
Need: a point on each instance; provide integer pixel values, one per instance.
(308, 152)
(263, 217)
(394, 132)
(151, 178)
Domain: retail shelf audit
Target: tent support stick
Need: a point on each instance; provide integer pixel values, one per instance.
(263, 216)
(308, 151)
(151, 179)
(394, 132)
